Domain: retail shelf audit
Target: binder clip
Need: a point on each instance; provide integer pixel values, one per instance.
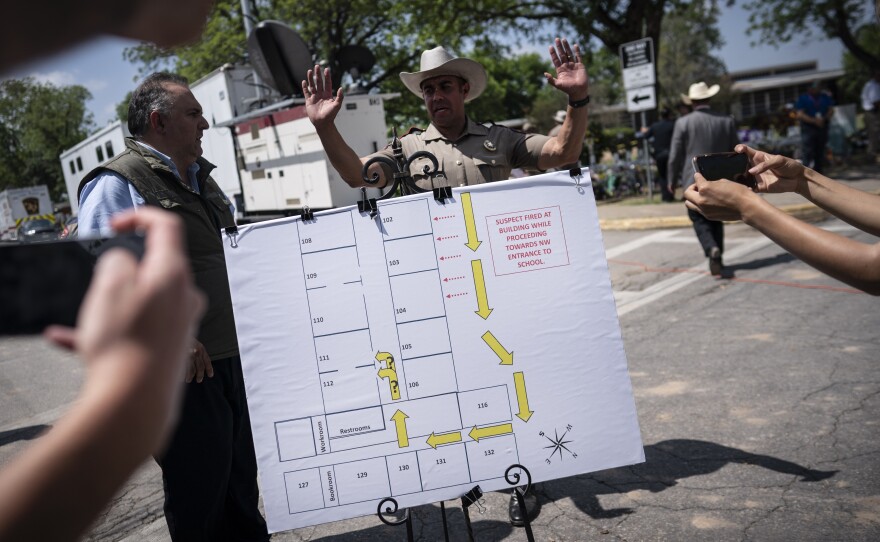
(575, 173)
(473, 497)
(367, 204)
(442, 194)
(307, 214)
(232, 233)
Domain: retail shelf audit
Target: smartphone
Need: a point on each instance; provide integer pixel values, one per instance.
(732, 166)
(44, 283)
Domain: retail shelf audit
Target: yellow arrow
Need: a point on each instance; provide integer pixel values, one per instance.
(491, 431)
(469, 225)
(399, 419)
(387, 358)
(447, 438)
(505, 356)
(480, 285)
(519, 381)
(391, 375)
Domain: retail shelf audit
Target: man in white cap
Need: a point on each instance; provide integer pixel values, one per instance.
(468, 153)
(701, 131)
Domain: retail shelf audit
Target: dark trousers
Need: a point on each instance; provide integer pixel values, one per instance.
(667, 193)
(813, 141)
(710, 233)
(209, 471)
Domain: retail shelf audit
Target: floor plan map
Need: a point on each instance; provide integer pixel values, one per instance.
(421, 352)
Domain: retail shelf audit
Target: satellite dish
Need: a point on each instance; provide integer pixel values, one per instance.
(279, 56)
(354, 60)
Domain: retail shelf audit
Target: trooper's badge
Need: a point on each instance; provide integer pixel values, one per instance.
(489, 145)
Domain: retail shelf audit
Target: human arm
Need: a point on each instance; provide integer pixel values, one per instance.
(852, 262)
(133, 332)
(571, 78)
(102, 198)
(39, 27)
(322, 106)
(776, 174)
(676, 154)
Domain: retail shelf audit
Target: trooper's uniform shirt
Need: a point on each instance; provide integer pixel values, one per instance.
(483, 154)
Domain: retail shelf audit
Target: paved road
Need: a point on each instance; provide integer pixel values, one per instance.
(758, 398)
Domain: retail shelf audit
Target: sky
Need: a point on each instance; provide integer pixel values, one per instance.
(98, 65)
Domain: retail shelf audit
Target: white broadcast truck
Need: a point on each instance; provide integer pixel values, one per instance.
(269, 160)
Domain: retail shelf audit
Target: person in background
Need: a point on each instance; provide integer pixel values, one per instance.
(852, 262)
(702, 131)
(136, 324)
(871, 106)
(660, 135)
(814, 109)
(209, 470)
(558, 118)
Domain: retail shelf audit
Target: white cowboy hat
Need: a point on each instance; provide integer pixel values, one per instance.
(438, 61)
(559, 117)
(701, 91)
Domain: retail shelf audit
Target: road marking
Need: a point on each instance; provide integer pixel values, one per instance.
(639, 243)
(669, 286)
(630, 301)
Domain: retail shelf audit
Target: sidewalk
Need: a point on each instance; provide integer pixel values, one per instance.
(636, 214)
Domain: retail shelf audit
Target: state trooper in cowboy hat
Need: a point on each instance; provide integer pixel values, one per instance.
(468, 153)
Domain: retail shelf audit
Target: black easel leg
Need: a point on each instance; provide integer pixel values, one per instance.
(445, 526)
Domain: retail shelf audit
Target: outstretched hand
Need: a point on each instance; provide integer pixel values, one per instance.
(775, 173)
(322, 105)
(717, 200)
(571, 74)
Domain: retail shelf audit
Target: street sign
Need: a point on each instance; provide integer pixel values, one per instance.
(637, 63)
(640, 99)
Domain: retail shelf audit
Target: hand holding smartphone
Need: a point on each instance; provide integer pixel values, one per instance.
(732, 166)
(42, 284)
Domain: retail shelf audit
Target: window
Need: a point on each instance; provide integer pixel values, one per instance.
(269, 174)
(258, 174)
(72, 167)
(79, 163)
(100, 152)
(281, 173)
(255, 131)
(109, 147)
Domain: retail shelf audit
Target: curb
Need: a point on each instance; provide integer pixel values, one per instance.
(806, 212)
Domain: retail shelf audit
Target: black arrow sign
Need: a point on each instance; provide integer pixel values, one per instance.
(638, 99)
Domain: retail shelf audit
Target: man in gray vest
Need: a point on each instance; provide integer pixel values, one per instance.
(209, 469)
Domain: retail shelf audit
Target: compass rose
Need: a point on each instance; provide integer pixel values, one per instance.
(558, 443)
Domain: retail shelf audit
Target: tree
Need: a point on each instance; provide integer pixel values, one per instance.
(689, 34)
(857, 72)
(37, 122)
(395, 32)
(779, 21)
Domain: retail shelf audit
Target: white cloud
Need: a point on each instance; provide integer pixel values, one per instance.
(57, 78)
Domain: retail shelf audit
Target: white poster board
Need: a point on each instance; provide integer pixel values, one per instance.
(419, 353)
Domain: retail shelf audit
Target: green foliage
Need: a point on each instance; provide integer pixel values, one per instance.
(780, 21)
(857, 72)
(122, 108)
(37, 122)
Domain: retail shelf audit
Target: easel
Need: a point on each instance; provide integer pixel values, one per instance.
(469, 498)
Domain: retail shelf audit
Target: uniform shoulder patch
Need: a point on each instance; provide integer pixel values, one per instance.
(413, 130)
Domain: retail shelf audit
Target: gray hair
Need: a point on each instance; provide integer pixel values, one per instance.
(151, 95)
